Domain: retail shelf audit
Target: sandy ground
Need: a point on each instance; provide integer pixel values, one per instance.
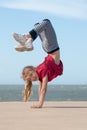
(53, 116)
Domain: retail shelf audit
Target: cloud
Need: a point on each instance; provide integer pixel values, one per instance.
(63, 8)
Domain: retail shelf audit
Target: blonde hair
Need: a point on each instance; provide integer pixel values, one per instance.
(27, 91)
(28, 84)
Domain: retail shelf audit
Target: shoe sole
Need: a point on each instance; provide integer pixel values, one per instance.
(23, 49)
(19, 49)
(29, 49)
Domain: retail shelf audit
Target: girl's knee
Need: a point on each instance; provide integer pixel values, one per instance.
(46, 20)
(36, 24)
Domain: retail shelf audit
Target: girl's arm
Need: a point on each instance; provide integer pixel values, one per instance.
(43, 90)
(42, 93)
(39, 89)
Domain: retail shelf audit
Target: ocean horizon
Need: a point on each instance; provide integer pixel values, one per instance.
(54, 93)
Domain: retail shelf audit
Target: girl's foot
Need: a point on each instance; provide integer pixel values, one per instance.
(25, 43)
(20, 38)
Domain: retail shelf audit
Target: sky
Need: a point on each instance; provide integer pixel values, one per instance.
(69, 19)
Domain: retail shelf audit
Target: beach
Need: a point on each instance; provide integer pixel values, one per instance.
(65, 115)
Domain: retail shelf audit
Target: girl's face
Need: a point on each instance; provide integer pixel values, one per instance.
(31, 75)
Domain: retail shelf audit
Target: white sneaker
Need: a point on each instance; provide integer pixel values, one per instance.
(28, 46)
(22, 39)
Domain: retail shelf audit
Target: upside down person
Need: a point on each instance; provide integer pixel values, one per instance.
(52, 65)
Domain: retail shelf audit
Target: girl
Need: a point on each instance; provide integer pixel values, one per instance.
(51, 67)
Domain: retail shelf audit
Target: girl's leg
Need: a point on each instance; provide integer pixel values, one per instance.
(47, 35)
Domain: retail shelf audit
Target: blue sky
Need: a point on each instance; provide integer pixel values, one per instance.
(69, 19)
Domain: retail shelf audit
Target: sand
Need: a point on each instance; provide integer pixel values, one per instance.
(53, 116)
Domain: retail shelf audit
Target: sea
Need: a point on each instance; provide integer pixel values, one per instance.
(12, 93)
